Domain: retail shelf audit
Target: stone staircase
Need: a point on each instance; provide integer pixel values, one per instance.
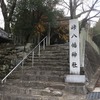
(43, 81)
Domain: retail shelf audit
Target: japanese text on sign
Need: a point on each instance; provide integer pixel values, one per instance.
(74, 47)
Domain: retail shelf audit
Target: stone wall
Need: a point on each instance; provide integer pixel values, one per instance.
(9, 57)
(92, 61)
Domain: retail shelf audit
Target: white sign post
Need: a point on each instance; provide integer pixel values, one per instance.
(74, 47)
(74, 53)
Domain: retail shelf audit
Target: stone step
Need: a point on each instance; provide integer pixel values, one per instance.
(30, 77)
(61, 55)
(47, 68)
(44, 64)
(47, 60)
(37, 84)
(41, 72)
(41, 77)
(57, 47)
(54, 52)
(35, 73)
(24, 97)
(47, 64)
(30, 91)
(43, 68)
(13, 96)
(53, 58)
(38, 71)
(65, 44)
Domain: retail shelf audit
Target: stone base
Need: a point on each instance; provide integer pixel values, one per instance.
(75, 79)
(76, 88)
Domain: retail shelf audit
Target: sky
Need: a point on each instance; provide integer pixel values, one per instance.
(1, 20)
(87, 4)
(60, 7)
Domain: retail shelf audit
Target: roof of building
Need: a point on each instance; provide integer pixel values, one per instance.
(4, 37)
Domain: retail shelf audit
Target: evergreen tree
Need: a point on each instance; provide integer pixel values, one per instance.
(32, 17)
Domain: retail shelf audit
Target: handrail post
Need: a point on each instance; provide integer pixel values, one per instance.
(48, 35)
(3, 87)
(46, 41)
(44, 44)
(39, 51)
(22, 72)
(32, 58)
(3, 92)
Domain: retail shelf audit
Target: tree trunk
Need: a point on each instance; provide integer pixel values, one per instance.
(7, 26)
(73, 9)
(7, 16)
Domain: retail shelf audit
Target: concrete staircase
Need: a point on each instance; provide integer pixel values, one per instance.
(43, 81)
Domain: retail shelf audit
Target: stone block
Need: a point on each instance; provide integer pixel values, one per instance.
(76, 88)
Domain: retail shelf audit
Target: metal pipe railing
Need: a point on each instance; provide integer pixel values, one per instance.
(22, 61)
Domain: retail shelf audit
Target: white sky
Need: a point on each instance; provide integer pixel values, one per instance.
(87, 4)
(1, 20)
(65, 10)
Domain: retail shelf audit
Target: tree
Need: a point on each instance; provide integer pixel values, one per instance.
(7, 11)
(31, 17)
(86, 10)
(59, 34)
(14, 17)
(96, 28)
(96, 33)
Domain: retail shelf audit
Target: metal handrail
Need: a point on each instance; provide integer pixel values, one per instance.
(45, 38)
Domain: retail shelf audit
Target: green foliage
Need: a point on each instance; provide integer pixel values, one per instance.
(29, 14)
(96, 28)
(96, 33)
(96, 39)
(60, 33)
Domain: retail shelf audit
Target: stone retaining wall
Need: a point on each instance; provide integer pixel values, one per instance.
(92, 61)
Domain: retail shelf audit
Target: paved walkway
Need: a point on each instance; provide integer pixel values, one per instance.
(69, 96)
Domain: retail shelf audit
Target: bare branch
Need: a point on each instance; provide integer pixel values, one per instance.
(91, 8)
(77, 1)
(83, 7)
(64, 6)
(66, 3)
(79, 4)
(79, 15)
(92, 20)
(96, 10)
(96, 15)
